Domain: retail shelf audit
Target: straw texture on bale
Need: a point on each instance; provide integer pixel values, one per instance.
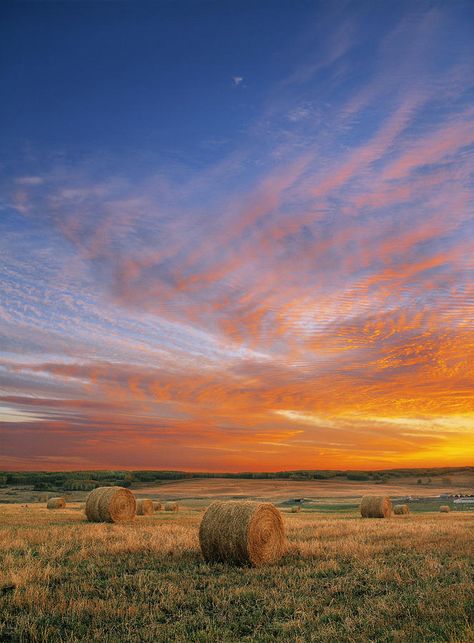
(157, 505)
(171, 506)
(376, 507)
(296, 509)
(56, 503)
(401, 509)
(445, 509)
(110, 504)
(145, 507)
(241, 532)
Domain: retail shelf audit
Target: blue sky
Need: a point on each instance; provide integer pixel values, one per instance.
(239, 234)
(147, 75)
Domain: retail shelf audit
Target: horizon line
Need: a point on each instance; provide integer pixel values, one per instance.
(237, 473)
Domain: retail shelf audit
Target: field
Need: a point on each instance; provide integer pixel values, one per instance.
(317, 494)
(343, 579)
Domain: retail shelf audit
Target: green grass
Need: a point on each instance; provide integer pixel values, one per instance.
(329, 508)
(430, 505)
(344, 579)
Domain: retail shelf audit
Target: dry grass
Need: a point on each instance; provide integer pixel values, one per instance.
(145, 507)
(56, 503)
(344, 579)
(110, 504)
(242, 533)
(376, 507)
(400, 510)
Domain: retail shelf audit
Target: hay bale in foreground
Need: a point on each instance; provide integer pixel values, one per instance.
(110, 504)
(171, 506)
(445, 509)
(401, 509)
(242, 533)
(376, 507)
(56, 503)
(145, 507)
(296, 509)
(157, 505)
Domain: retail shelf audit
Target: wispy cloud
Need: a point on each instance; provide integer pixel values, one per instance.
(29, 180)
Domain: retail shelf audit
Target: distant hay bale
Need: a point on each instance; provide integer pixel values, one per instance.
(296, 509)
(241, 532)
(171, 506)
(110, 504)
(157, 505)
(445, 509)
(376, 507)
(56, 503)
(401, 509)
(145, 507)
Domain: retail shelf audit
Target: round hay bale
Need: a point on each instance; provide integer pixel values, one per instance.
(56, 503)
(296, 509)
(171, 506)
(445, 509)
(110, 504)
(376, 507)
(157, 505)
(401, 509)
(241, 532)
(145, 507)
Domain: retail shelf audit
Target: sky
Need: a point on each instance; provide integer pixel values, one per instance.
(236, 236)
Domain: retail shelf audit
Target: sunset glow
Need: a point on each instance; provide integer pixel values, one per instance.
(227, 258)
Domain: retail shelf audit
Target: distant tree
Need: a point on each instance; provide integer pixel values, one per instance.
(297, 476)
(419, 481)
(358, 475)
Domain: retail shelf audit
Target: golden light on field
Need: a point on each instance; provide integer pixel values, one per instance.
(335, 568)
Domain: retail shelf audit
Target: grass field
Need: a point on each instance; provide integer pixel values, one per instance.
(343, 579)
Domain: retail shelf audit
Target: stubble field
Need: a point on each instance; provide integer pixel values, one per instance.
(343, 578)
